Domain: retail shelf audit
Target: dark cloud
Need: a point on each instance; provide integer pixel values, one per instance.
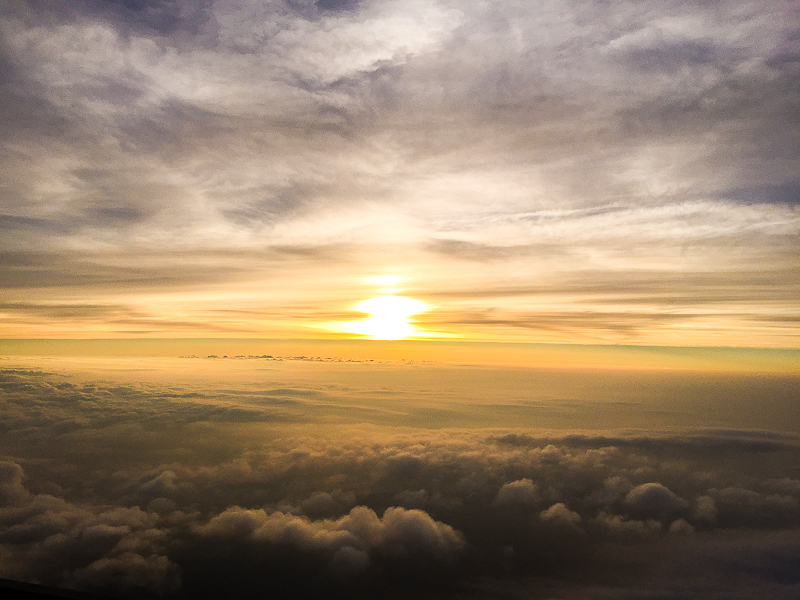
(671, 56)
(337, 4)
(785, 193)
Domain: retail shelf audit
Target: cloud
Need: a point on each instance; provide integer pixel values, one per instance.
(706, 509)
(52, 541)
(740, 505)
(680, 526)
(130, 572)
(400, 532)
(522, 491)
(559, 513)
(11, 489)
(653, 499)
(153, 479)
(618, 526)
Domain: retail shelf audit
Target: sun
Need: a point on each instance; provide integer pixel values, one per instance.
(389, 317)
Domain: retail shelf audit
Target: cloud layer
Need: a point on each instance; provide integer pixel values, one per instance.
(104, 490)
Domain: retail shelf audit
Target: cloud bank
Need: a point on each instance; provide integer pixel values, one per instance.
(164, 500)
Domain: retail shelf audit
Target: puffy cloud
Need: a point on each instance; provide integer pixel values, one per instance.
(653, 499)
(680, 526)
(706, 509)
(324, 504)
(739, 506)
(400, 533)
(559, 513)
(129, 573)
(413, 533)
(113, 549)
(348, 560)
(11, 489)
(619, 526)
(522, 491)
(160, 484)
(412, 499)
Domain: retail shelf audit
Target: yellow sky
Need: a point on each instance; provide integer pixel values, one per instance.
(536, 356)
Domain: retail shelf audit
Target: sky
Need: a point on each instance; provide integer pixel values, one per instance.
(559, 172)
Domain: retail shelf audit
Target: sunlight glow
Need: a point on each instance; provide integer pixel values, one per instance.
(384, 280)
(389, 317)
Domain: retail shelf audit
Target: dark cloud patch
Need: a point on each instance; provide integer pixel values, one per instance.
(30, 116)
(272, 205)
(161, 15)
(177, 128)
(785, 193)
(153, 17)
(671, 56)
(336, 5)
(12, 223)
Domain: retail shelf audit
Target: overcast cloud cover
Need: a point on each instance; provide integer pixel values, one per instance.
(176, 479)
(564, 171)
